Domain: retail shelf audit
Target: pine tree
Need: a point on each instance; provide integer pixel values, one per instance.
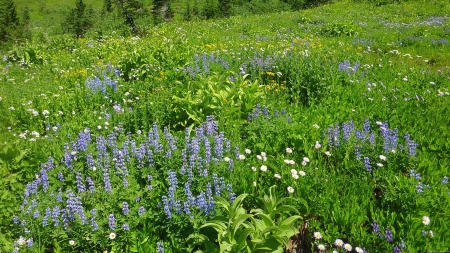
(9, 22)
(225, 7)
(130, 10)
(79, 20)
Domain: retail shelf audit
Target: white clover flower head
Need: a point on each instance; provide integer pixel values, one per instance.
(289, 161)
(393, 151)
(295, 176)
(328, 153)
(106, 123)
(94, 168)
(226, 159)
(112, 236)
(277, 176)
(339, 243)
(254, 168)
(317, 146)
(127, 94)
(382, 157)
(379, 164)
(139, 132)
(359, 250)
(21, 241)
(290, 189)
(248, 151)
(254, 183)
(321, 247)
(317, 235)
(431, 233)
(259, 157)
(263, 168)
(379, 123)
(45, 112)
(289, 150)
(306, 159)
(304, 163)
(263, 154)
(99, 127)
(425, 220)
(241, 157)
(72, 242)
(302, 173)
(294, 172)
(348, 247)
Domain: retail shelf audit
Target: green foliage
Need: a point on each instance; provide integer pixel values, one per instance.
(9, 21)
(80, 19)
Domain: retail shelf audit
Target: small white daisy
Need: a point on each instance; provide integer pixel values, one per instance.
(226, 159)
(425, 220)
(289, 150)
(317, 146)
(359, 250)
(379, 164)
(263, 168)
(294, 172)
(241, 157)
(302, 173)
(321, 247)
(328, 153)
(72, 242)
(295, 176)
(382, 157)
(317, 235)
(290, 189)
(112, 236)
(339, 243)
(348, 247)
(248, 151)
(278, 176)
(254, 168)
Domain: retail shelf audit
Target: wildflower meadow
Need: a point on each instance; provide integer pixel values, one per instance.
(320, 130)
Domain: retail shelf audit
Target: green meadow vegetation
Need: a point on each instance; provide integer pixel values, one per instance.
(261, 126)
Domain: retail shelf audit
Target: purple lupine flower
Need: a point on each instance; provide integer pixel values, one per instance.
(36, 214)
(159, 247)
(347, 129)
(201, 202)
(15, 220)
(231, 165)
(80, 185)
(29, 242)
(44, 180)
(376, 228)
(186, 209)
(413, 173)
(445, 180)
(397, 250)
(94, 224)
(367, 164)
(366, 126)
(124, 182)
(34, 203)
(217, 188)
(336, 135)
(358, 152)
(207, 150)
(125, 209)
(59, 196)
(388, 235)
(141, 210)
(190, 197)
(420, 187)
(61, 177)
(48, 213)
(210, 126)
(126, 227)
(56, 212)
(112, 222)
(372, 139)
(84, 138)
(91, 184)
(166, 207)
(90, 161)
(231, 194)
(218, 145)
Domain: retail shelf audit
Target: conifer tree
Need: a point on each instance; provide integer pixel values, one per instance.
(9, 22)
(80, 19)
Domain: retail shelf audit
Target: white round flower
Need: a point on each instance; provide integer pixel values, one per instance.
(226, 159)
(294, 172)
(317, 146)
(112, 236)
(328, 153)
(295, 176)
(254, 168)
(348, 247)
(248, 151)
(259, 157)
(263, 154)
(306, 159)
(302, 173)
(425, 220)
(379, 123)
(321, 247)
(72, 242)
(304, 163)
(317, 235)
(254, 183)
(382, 157)
(99, 127)
(431, 233)
(289, 150)
(290, 189)
(339, 243)
(278, 176)
(241, 157)
(263, 168)
(316, 126)
(45, 112)
(379, 164)
(359, 250)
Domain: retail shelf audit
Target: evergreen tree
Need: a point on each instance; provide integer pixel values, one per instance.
(107, 5)
(225, 7)
(80, 19)
(130, 10)
(9, 22)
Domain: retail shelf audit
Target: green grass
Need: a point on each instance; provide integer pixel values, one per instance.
(181, 72)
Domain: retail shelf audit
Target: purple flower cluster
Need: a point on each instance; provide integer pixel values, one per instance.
(348, 68)
(202, 64)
